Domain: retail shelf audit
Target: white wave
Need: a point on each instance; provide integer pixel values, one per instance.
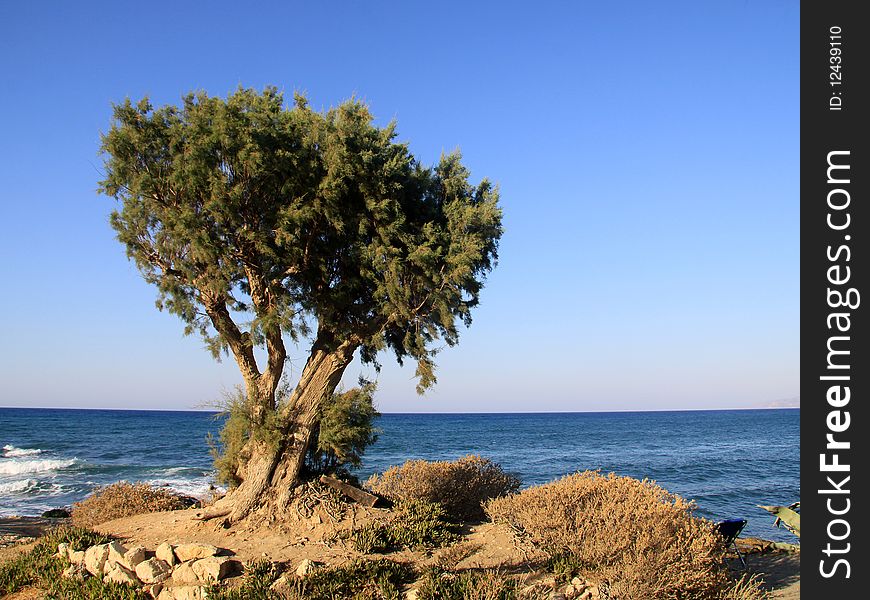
(17, 467)
(199, 488)
(16, 487)
(10, 451)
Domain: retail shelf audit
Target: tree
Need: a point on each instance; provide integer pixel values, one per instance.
(258, 222)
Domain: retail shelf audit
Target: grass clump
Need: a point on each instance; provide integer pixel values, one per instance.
(439, 584)
(40, 567)
(256, 584)
(638, 540)
(416, 524)
(125, 499)
(461, 486)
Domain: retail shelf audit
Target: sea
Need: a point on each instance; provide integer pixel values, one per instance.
(727, 461)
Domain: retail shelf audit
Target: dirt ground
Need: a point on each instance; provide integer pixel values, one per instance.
(318, 538)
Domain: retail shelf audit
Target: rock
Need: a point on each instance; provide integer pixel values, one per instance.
(153, 589)
(585, 595)
(188, 592)
(56, 513)
(213, 568)
(73, 572)
(184, 574)
(153, 570)
(117, 573)
(134, 556)
(77, 557)
(165, 594)
(95, 559)
(411, 594)
(116, 552)
(167, 554)
(63, 551)
(305, 567)
(186, 552)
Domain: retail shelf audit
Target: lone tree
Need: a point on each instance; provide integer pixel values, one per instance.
(259, 222)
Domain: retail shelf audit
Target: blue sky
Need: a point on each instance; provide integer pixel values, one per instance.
(647, 155)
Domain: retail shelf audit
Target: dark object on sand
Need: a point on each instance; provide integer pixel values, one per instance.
(56, 513)
(729, 529)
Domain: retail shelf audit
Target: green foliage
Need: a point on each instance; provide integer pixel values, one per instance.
(238, 429)
(789, 516)
(346, 428)
(244, 210)
(256, 584)
(417, 524)
(361, 580)
(439, 584)
(41, 567)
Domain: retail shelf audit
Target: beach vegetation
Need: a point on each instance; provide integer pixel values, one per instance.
(124, 499)
(414, 524)
(639, 541)
(460, 486)
(40, 567)
(258, 222)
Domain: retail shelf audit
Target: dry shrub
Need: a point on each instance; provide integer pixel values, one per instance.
(125, 499)
(460, 486)
(638, 540)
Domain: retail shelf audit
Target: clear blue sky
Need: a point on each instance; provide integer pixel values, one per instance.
(647, 154)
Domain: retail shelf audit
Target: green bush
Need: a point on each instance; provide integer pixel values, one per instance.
(344, 431)
(415, 524)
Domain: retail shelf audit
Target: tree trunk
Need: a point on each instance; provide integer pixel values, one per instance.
(272, 467)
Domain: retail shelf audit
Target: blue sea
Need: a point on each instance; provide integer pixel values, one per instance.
(727, 461)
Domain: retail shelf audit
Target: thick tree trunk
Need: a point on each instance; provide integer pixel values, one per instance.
(272, 468)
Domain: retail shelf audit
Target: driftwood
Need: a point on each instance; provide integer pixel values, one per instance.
(360, 496)
(206, 515)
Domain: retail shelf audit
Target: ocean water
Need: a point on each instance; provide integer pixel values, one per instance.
(728, 462)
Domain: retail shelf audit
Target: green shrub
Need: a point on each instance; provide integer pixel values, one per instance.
(344, 431)
(460, 486)
(638, 540)
(438, 584)
(124, 499)
(416, 524)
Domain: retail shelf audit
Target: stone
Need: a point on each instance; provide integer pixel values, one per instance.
(187, 592)
(95, 559)
(411, 594)
(166, 554)
(184, 573)
(134, 556)
(153, 589)
(63, 551)
(77, 557)
(56, 513)
(165, 594)
(117, 573)
(186, 552)
(153, 570)
(305, 567)
(585, 595)
(73, 572)
(116, 552)
(213, 568)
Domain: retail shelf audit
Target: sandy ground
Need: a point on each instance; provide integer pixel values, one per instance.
(317, 538)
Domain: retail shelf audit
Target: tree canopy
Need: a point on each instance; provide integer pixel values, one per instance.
(255, 220)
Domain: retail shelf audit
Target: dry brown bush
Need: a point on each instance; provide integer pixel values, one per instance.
(460, 486)
(638, 540)
(124, 499)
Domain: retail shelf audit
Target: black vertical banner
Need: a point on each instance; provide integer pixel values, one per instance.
(835, 372)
